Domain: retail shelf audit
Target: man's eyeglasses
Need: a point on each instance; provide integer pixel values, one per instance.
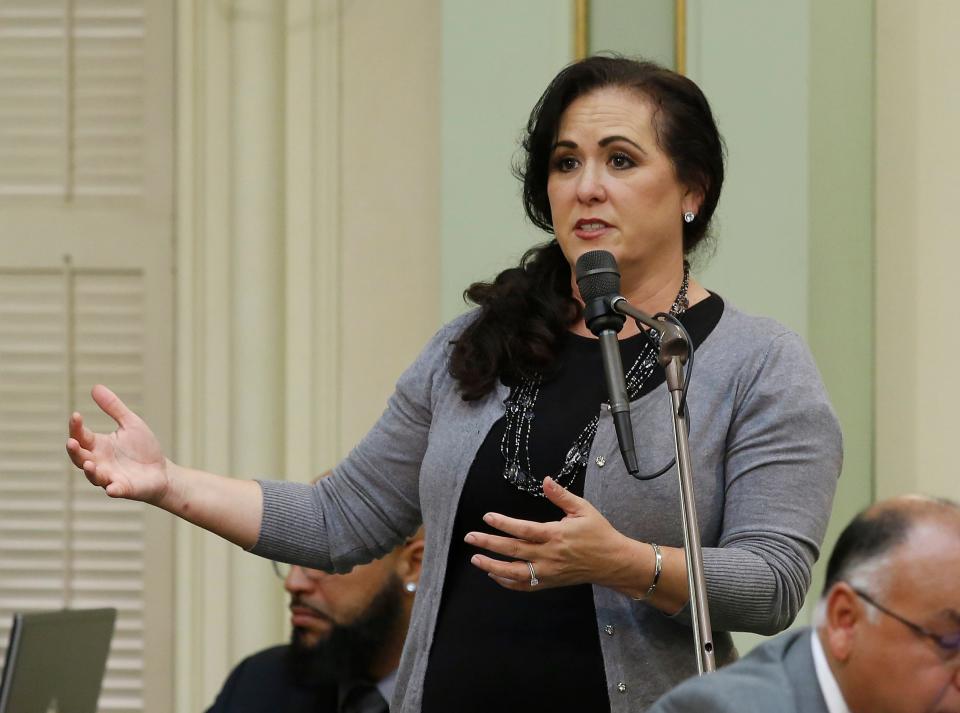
(282, 570)
(949, 644)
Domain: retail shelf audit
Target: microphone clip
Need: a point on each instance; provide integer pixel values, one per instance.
(600, 315)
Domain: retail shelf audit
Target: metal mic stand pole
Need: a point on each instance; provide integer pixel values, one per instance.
(674, 352)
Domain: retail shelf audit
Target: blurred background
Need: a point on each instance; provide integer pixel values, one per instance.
(248, 216)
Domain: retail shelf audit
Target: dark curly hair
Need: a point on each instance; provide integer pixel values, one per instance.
(527, 309)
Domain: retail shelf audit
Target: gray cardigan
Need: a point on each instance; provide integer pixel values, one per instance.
(766, 455)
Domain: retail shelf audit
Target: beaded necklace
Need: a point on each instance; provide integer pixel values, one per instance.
(520, 405)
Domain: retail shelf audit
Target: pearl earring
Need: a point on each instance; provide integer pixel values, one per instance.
(411, 587)
(688, 216)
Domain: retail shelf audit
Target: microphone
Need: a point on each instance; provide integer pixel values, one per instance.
(599, 281)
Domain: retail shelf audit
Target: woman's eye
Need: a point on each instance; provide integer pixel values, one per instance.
(566, 163)
(621, 160)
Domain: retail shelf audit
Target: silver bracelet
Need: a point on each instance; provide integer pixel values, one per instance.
(657, 568)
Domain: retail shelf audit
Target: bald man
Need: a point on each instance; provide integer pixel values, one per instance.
(887, 634)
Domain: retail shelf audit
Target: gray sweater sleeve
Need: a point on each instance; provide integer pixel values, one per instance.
(371, 501)
(783, 457)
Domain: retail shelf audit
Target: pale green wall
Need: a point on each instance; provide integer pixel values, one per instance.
(792, 88)
(498, 56)
(751, 58)
(841, 248)
(643, 28)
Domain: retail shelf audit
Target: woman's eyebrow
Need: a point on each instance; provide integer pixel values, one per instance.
(606, 141)
(611, 139)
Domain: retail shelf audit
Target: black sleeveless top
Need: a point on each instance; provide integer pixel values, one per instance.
(498, 650)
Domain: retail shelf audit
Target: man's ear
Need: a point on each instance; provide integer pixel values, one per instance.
(411, 560)
(844, 611)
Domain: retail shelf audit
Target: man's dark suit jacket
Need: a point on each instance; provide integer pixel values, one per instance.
(776, 677)
(262, 683)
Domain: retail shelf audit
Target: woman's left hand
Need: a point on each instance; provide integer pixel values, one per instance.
(582, 547)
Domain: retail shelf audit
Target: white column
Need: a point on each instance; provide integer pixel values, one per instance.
(202, 391)
(313, 138)
(256, 126)
(230, 322)
(268, 182)
(391, 197)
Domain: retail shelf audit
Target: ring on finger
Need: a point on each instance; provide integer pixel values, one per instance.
(533, 575)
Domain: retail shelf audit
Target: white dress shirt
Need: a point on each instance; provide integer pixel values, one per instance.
(828, 684)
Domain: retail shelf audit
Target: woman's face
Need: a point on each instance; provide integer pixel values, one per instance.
(612, 188)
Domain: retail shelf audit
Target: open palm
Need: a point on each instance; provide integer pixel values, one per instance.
(128, 463)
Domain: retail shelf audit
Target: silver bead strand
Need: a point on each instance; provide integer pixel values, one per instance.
(519, 414)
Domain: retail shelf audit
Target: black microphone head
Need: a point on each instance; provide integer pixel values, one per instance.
(597, 275)
(599, 281)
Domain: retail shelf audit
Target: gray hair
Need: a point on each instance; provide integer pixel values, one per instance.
(863, 553)
(870, 575)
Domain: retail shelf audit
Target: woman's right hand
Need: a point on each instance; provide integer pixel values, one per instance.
(127, 463)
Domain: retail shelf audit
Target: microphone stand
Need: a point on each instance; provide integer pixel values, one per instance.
(674, 352)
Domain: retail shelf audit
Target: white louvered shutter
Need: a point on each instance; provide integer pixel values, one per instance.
(63, 543)
(108, 119)
(71, 97)
(33, 93)
(85, 297)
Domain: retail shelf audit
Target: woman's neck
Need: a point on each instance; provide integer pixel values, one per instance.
(651, 295)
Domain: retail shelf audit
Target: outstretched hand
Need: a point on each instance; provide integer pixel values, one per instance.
(583, 547)
(127, 463)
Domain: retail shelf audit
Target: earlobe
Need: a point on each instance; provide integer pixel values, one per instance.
(839, 643)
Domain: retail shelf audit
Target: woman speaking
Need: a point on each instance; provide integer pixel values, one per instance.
(553, 579)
